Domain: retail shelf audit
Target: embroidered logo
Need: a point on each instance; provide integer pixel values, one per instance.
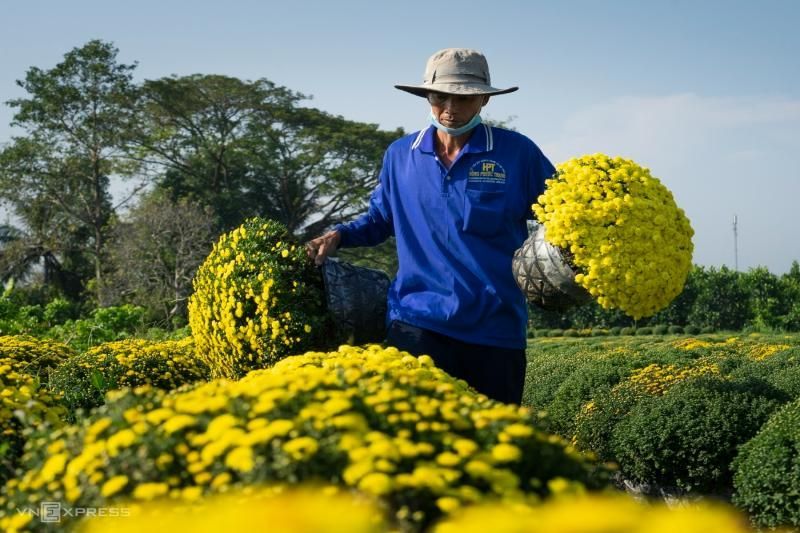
(487, 171)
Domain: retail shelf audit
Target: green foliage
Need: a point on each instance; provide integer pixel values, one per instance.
(627, 331)
(688, 437)
(767, 471)
(722, 302)
(691, 329)
(616, 330)
(644, 331)
(570, 333)
(675, 329)
(707, 329)
(660, 330)
(105, 324)
(555, 333)
(580, 386)
(780, 369)
(79, 119)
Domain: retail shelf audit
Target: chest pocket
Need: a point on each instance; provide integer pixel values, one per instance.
(484, 212)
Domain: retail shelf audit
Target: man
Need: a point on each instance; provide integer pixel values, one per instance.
(456, 196)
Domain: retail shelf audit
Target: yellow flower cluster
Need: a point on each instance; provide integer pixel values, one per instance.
(757, 351)
(655, 379)
(749, 347)
(374, 419)
(84, 379)
(256, 299)
(24, 401)
(275, 508)
(628, 240)
(596, 513)
(690, 343)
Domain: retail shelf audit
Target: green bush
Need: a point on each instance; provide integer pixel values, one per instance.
(660, 329)
(596, 421)
(58, 311)
(545, 374)
(570, 333)
(84, 380)
(555, 333)
(628, 331)
(581, 386)
(644, 331)
(691, 329)
(599, 332)
(781, 370)
(540, 332)
(707, 329)
(372, 419)
(106, 324)
(688, 437)
(616, 330)
(675, 329)
(767, 471)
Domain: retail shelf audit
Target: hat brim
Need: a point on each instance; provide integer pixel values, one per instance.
(453, 88)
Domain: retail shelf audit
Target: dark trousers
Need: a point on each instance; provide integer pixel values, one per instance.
(499, 373)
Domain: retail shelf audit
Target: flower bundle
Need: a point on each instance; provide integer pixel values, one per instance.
(373, 419)
(628, 240)
(256, 299)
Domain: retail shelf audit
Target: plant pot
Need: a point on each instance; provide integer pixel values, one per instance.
(544, 276)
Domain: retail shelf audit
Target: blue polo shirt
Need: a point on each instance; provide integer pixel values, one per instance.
(456, 231)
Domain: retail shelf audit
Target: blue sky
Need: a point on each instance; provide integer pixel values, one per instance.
(704, 93)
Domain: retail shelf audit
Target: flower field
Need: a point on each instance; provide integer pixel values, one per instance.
(400, 444)
(260, 417)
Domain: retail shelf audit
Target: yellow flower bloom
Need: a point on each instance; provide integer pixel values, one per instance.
(113, 485)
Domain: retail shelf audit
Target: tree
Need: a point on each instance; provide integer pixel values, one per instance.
(155, 252)
(790, 289)
(248, 149)
(722, 301)
(767, 299)
(77, 120)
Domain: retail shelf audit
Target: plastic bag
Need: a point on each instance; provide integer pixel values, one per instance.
(356, 297)
(544, 276)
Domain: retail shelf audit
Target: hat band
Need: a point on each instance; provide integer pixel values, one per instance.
(459, 78)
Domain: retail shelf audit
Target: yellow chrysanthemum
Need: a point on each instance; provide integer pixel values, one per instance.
(629, 241)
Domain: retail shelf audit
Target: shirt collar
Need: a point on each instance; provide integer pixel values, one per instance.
(481, 140)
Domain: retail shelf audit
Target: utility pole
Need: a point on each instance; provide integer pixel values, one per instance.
(735, 245)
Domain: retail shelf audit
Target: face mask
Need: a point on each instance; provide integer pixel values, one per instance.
(455, 132)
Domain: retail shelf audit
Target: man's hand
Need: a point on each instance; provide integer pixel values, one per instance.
(320, 248)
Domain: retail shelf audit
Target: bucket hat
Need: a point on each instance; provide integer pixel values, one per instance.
(456, 71)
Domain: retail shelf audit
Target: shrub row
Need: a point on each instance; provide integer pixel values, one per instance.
(616, 331)
(373, 419)
(674, 414)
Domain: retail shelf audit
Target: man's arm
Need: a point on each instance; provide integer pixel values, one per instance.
(370, 229)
